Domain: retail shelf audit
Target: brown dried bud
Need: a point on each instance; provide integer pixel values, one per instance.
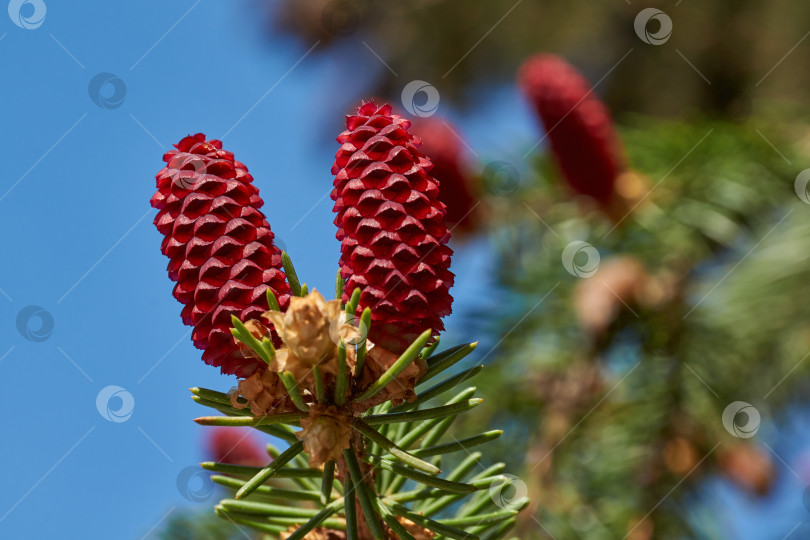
(310, 330)
(326, 434)
(401, 389)
(264, 392)
(304, 328)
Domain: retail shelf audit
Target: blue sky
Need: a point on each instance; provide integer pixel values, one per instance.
(79, 243)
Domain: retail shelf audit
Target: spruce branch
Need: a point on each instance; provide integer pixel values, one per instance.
(388, 448)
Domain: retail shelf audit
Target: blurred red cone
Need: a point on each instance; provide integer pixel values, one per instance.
(457, 190)
(578, 127)
(235, 446)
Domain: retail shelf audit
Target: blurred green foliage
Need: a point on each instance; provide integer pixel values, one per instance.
(746, 50)
(627, 415)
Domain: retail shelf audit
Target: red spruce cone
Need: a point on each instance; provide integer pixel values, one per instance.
(456, 189)
(235, 446)
(391, 227)
(219, 244)
(578, 125)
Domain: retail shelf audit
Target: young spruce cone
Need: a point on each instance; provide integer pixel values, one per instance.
(457, 190)
(219, 244)
(391, 227)
(578, 125)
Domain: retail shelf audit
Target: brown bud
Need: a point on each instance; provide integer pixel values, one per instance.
(310, 331)
(264, 392)
(304, 328)
(680, 455)
(326, 434)
(617, 284)
(750, 467)
(400, 389)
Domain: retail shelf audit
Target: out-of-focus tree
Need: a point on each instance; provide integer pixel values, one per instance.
(721, 56)
(622, 356)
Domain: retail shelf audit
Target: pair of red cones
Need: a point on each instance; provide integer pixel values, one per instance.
(391, 220)
(390, 224)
